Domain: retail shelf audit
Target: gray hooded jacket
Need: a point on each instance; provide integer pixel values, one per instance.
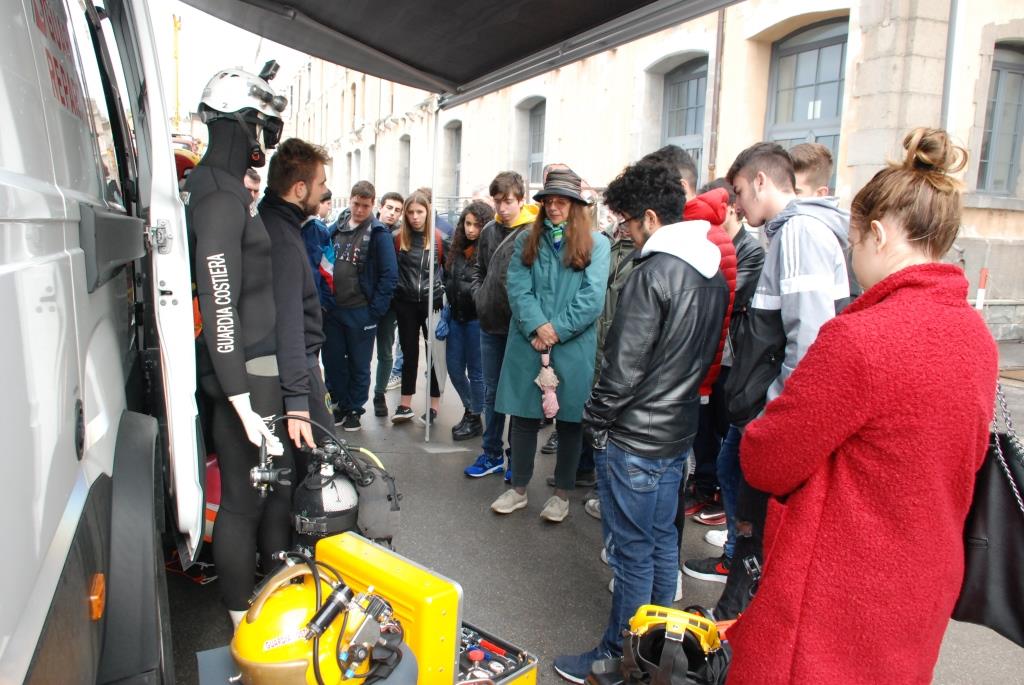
(804, 283)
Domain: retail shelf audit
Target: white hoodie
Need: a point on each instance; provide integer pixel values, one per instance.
(688, 241)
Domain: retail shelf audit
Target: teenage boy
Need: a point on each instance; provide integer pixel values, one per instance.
(749, 260)
(389, 215)
(642, 414)
(316, 236)
(493, 253)
(804, 283)
(362, 272)
(296, 182)
(812, 168)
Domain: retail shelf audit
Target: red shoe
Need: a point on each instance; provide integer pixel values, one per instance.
(711, 515)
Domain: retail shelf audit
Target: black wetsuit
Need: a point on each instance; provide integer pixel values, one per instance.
(231, 267)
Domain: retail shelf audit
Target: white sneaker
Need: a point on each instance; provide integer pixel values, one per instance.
(509, 501)
(555, 509)
(604, 555)
(716, 537)
(679, 587)
(593, 507)
(393, 382)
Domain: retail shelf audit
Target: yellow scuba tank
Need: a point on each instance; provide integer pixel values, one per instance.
(276, 641)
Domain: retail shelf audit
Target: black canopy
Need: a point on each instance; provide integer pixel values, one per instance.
(461, 48)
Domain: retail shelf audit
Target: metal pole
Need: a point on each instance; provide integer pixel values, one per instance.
(947, 77)
(430, 242)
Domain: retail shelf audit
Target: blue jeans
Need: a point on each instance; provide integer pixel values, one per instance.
(348, 347)
(639, 497)
(729, 482)
(492, 354)
(462, 353)
(396, 368)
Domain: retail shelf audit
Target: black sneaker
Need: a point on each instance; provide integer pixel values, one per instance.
(402, 414)
(715, 569)
(584, 479)
(351, 422)
(470, 427)
(380, 405)
(551, 446)
(339, 415)
(433, 416)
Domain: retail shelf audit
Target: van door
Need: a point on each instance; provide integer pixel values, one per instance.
(167, 337)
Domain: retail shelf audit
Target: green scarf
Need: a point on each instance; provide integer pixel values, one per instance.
(557, 231)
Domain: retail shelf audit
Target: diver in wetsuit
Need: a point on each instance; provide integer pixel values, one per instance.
(238, 371)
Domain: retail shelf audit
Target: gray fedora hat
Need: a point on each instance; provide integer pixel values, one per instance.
(562, 182)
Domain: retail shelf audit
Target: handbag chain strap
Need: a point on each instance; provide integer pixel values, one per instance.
(1004, 410)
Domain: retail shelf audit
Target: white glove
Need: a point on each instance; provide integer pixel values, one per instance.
(255, 428)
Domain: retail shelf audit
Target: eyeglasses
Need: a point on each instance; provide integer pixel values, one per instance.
(622, 224)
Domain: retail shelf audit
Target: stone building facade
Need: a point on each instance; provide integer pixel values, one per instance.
(854, 75)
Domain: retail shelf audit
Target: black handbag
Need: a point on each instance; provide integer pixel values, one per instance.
(992, 593)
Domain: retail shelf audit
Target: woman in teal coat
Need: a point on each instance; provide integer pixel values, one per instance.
(556, 286)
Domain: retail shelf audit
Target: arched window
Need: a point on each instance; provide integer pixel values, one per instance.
(535, 151)
(452, 159)
(999, 163)
(404, 154)
(352, 111)
(806, 86)
(683, 109)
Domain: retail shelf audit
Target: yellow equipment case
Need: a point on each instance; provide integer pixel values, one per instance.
(429, 607)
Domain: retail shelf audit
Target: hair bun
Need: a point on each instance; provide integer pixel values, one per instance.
(931, 150)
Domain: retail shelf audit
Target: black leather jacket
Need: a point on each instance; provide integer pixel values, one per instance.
(458, 285)
(749, 260)
(414, 272)
(662, 342)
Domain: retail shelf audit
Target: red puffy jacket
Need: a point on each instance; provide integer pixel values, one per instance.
(711, 207)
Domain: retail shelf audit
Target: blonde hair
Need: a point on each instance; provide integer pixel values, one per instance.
(405, 235)
(918, 192)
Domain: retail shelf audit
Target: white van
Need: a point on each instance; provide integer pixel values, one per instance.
(95, 303)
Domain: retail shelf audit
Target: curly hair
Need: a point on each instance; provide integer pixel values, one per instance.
(673, 155)
(460, 243)
(646, 185)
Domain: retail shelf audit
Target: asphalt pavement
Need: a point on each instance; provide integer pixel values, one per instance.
(538, 585)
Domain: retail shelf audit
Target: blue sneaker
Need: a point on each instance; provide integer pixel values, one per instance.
(484, 466)
(576, 667)
(508, 474)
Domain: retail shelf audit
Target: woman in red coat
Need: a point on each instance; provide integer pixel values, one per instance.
(871, 451)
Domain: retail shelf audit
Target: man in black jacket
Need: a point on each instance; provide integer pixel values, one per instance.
(642, 413)
(296, 182)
